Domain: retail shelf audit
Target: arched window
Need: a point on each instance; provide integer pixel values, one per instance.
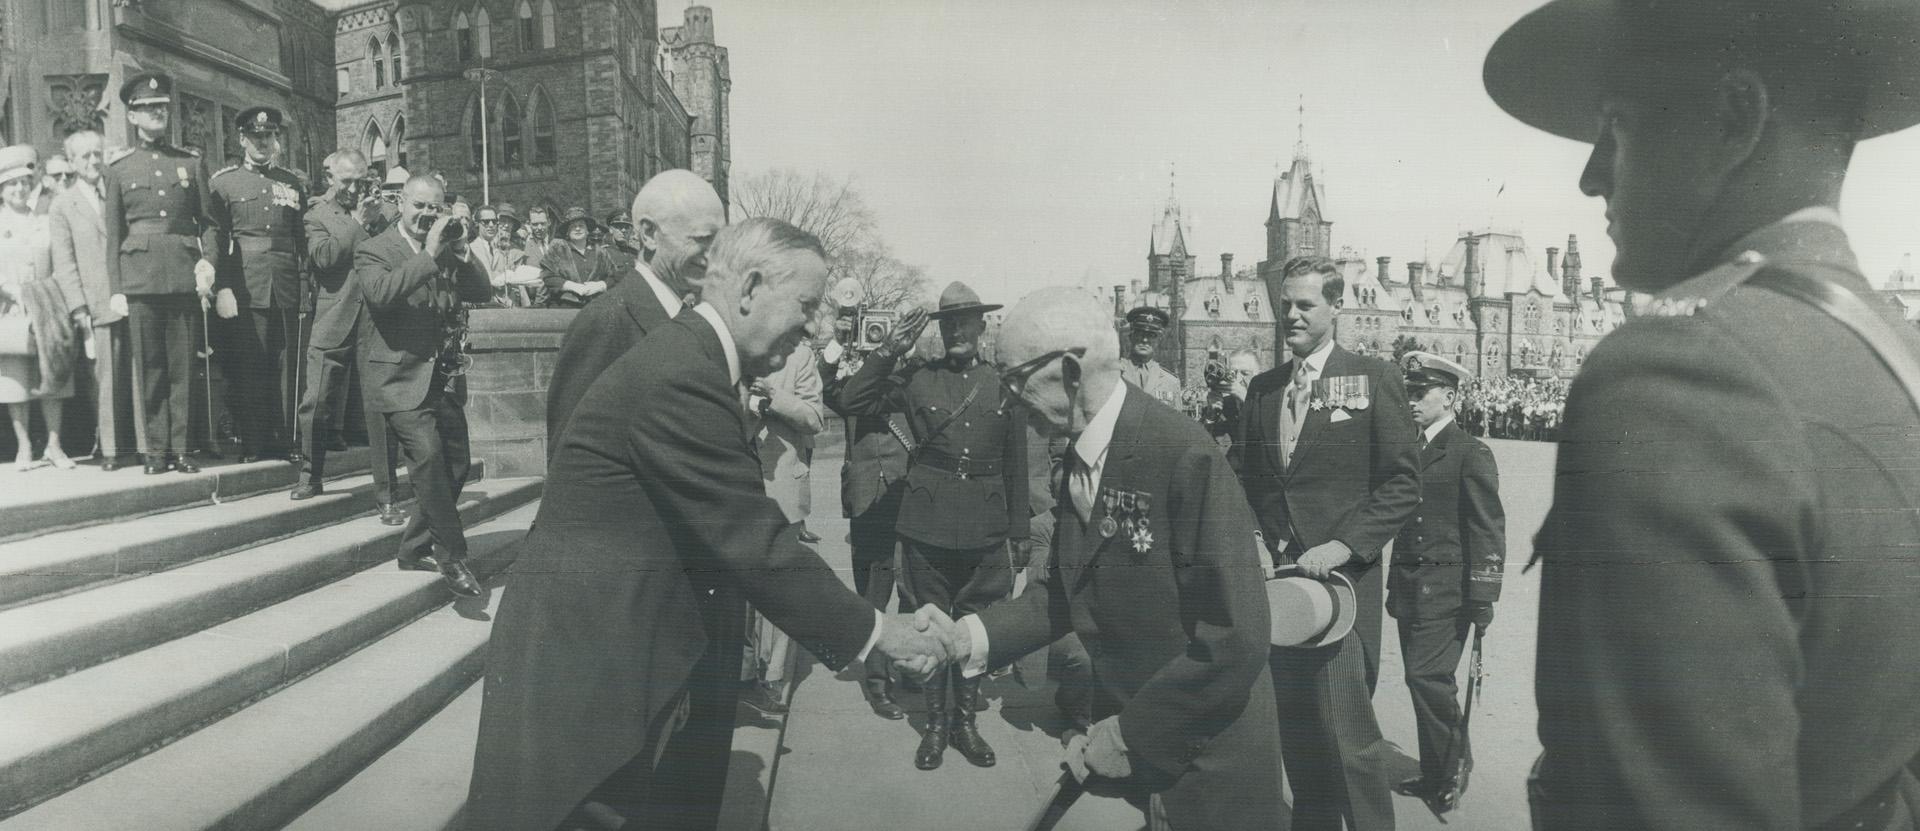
(375, 147)
(393, 46)
(476, 132)
(379, 58)
(462, 37)
(529, 27)
(400, 140)
(483, 33)
(512, 144)
(546, 24)
(540, 117)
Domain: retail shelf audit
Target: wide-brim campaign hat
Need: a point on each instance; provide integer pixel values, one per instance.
(1306, 613)
(1549, 68)
(18, 161)
(958, 299)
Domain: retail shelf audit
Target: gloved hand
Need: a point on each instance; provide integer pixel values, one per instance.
(1478, 614)
(1101, 753)
(225, 305)
(118, 303)
(203, 277)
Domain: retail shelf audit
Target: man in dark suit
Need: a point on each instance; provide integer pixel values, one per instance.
(335, 226)
(1331, 465)
(414, 276)
(1446, 573)
(616, 655)
(1728, 589)
(679, 214)
(77, 223)
(155, 197)
(1154, 568)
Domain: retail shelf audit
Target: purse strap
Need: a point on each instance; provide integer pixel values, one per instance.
(1847, 308)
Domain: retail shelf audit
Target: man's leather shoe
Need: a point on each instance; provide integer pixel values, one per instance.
(460, 579)
(113, 463)
(809, 537)
(306, 490)
(1417, 787)
(418, 564)
(157, 464)
(764, 698)
(185, 465)
(390, 514)
(879, 694)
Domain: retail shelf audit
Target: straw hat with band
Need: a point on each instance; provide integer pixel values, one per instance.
(1306, 613)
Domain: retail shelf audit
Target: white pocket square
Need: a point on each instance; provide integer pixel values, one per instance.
(1338, 416)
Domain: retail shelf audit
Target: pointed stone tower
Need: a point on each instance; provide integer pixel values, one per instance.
(1296, 215)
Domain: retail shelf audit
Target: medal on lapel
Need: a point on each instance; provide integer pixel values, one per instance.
(1362, 393)
(1126, 513)
(1108, 526)
(182, 173)
(1142, 535)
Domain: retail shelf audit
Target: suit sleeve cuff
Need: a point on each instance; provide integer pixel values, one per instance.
(873, 639)
(976, 663)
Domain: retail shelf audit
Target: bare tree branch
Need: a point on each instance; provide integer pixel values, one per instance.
(833, 210)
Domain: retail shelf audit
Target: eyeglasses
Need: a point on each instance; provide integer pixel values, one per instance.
(1013, 379)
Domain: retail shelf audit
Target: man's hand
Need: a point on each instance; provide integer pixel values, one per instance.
(436, 243)
(225, 305)
(593, 287)
(1019, 554)
(118, 303)
(915, 641)
(761, 388)
(1320, 560)
(906, 331)
(82, 318)
(1480, 614)
(1101, 752)
(203, 277)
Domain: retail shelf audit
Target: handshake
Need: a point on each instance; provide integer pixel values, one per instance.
(924, 642)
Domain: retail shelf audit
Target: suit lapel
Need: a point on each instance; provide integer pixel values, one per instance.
(640, 300)
(1316, 420)
(1273, 406)
(1437, 449)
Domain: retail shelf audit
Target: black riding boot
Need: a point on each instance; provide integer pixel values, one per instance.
(878, 689)
(967, 739)
(933, 745)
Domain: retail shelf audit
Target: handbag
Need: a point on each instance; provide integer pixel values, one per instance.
(16, 336)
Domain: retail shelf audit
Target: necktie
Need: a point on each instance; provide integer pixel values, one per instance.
(1080, 486)
(1295, 413)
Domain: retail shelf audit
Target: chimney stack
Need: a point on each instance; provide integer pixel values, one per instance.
(1226, 272)
(1472, 270)
(1416, 275)
(1383, 264)
(1570, 264)
(1599, 291)
(1119, 301)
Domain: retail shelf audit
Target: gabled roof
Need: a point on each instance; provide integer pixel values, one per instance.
(1506, 266)
(1169, 234)
(1295, 191)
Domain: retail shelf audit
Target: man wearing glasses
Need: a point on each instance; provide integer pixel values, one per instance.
(414, 276)
(966, 489)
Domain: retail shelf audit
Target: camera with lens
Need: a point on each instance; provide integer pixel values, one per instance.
(871, 328)
(456, 226)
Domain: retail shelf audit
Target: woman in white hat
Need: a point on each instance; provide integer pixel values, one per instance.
(38, 366)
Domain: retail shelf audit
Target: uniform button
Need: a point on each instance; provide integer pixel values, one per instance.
(163, 213)
(1419, 519)
(160, 192)
(156, 157)
(712, 592)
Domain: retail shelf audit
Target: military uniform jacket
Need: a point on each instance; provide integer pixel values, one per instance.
(156, 199)
(1177, 632)
(948, 501)
(1154, 379)
(1453, 550)
(413, 301)
(653, 518)
(258, 234)
(1729, 594)
(332, 235)
(876, 456)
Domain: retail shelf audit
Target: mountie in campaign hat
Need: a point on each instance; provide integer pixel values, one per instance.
(258, 120)
(1550, 68)
(577, 214)
(147, 88)
(1149, 319)
(1425, 370)
(619, 218)
(1307, 613)
(959, 300)
(18, 161)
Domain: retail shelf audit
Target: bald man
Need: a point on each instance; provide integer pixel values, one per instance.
(413, 277)
(675, 216)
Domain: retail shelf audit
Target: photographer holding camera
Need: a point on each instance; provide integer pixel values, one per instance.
(414, 276)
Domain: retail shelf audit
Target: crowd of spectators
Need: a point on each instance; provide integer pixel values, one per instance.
(1513, 408)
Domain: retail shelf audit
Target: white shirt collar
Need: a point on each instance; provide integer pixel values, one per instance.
(1317, 359)
(1091, 444)
(712, 315)
(1435, 428)
(1814, 213)
(668, 300)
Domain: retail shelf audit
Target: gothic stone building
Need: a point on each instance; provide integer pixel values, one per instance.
(1490, 303)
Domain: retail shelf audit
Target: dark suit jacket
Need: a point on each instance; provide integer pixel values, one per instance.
(1453, 550)
(653, 509)
(406, 336)
(598, 336)
(1729, 589)
(1177, 634)
(1356, 480)
(332, 237)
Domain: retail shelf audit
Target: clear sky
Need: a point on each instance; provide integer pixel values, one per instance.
(1021, 144)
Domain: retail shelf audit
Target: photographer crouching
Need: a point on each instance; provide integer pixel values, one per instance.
(414, 276)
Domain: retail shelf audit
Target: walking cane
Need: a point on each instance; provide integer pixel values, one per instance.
(206, 364)
(1440, 802)
(1066, 791)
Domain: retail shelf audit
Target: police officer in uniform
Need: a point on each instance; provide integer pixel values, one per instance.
(259, 239)
(1728, 587)
(965, 500)
(1145, 325)
(1446, 572)
(156, 265)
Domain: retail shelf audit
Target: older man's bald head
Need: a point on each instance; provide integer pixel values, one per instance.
(1059, 318)
(675, 216)
(424, 187)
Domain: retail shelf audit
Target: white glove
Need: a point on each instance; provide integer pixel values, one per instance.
(203, 276)
(118, 303)
(225, 305)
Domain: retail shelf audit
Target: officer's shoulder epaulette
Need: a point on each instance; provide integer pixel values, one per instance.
(119, 154)
(191, 151)
(216, 174)
(1694, 293)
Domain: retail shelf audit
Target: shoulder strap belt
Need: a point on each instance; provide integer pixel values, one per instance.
(1852, 312)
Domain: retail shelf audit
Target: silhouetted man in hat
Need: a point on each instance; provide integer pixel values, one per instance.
(1729, 589)
(966, 491)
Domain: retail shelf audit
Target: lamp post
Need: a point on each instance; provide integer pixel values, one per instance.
(482, 75)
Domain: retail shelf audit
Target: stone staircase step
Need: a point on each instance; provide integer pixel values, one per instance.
(264, 765)
(40, 640)
(42, 501)
(419, 785)
(64, 560)
(55, 733)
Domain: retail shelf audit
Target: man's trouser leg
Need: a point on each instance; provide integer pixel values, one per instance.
(1330, 743)
(433, 442)
(1431, 650)
(164, 336)
(118, 429)
(331, 374)
(873, 541)
(253, 350)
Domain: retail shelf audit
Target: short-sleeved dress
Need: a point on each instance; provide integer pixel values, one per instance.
(26, 256)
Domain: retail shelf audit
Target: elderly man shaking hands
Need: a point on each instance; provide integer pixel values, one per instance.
(1154, 568)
